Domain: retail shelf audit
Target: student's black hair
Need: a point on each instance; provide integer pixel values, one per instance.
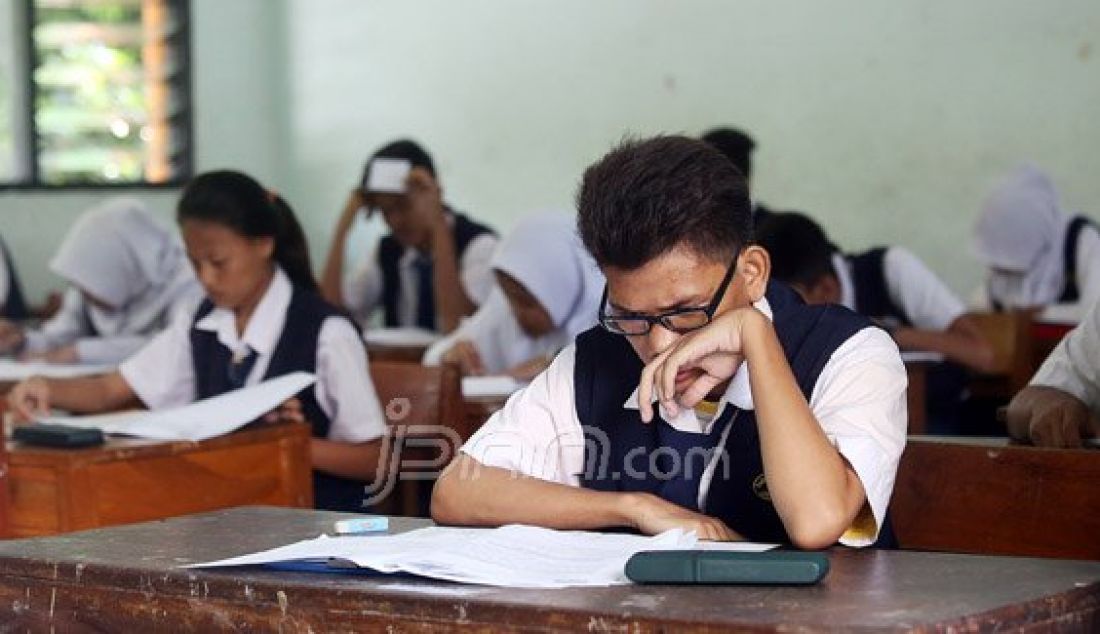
(801, 252)
(406, 149)
(646, 197)
(735, 145)
(237, 201)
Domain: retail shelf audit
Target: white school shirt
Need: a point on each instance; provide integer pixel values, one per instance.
(162, 374)
(363, 289)
(118, 339)
(913, 288)
(859, 401)
(1074, 365)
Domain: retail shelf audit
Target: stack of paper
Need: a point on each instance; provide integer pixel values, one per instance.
(11, 370)
(490, 386)
(400, 337)
(203, 419)
(511, 556)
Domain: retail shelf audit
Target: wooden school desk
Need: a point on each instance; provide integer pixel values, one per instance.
(126, 579)
(984, 495)
(131, 480)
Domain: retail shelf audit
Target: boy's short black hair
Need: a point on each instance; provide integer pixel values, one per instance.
(801, 252)
(646, 197)
(406, 149)
(735, 144)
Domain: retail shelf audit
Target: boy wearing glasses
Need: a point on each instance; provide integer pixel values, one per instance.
(774, 421)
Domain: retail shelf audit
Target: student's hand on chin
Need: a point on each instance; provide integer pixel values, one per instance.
(652, 515)
(701, 360)
(288, 412)
(29, 400)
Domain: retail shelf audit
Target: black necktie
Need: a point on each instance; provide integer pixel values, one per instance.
(240, 368)
(425, 293)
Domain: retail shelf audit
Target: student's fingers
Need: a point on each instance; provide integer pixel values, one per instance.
(1071, 428)
(1040, 430)
(29, 400)
(646, 387)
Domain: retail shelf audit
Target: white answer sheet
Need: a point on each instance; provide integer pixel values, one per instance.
(12, 370)
(200, 420)
(515, 556)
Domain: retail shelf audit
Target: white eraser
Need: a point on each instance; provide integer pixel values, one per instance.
(387, 176)
(362, 525)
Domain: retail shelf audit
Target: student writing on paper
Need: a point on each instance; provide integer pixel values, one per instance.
(548, 293)
(13, 305)
(787, 429)
(1061, 404)
(1035, 253)
(128, 279)
(433, 267)
(262, 318)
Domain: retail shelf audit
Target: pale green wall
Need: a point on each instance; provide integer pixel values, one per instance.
(238, 88)
(888, 120)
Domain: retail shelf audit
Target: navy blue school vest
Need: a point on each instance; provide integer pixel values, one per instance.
(296, 351)
(620, 449)
(1070, 291)
(389, 256)
(871, 290)
(14, 306)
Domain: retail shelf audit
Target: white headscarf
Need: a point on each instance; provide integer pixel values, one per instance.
(1019, 236)
(120, 255)
(544, 254)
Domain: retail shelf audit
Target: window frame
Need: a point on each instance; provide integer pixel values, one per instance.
(25, 62)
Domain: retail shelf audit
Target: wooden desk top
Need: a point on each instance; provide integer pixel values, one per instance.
(125, 577)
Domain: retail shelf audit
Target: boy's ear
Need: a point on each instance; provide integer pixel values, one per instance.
(755, 267)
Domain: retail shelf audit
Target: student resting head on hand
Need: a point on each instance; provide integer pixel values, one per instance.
(709, 398)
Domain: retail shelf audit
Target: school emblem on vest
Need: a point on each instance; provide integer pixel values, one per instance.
(760, 488)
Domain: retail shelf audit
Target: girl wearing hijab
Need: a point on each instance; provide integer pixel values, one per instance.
(262, 318)
(1036, 254)
(128, 279)
(548, 291)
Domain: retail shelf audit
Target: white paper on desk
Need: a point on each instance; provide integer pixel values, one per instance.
(400, 337)
(12, 370)
(918, 356)
(513, 556)
(490, 386)
(200, 420)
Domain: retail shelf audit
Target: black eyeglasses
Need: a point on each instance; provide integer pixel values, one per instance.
(679, 320)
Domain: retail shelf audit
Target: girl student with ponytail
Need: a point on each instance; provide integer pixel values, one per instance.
(262, 318)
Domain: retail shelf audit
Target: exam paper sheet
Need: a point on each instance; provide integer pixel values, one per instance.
(515, 556)
(200, 420)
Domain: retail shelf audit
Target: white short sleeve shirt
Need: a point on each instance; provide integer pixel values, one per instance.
(918, 292)
(859, 401)
(162, 373)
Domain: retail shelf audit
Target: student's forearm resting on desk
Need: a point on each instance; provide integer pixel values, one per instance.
(962, 343)
(470, 493)
(815, 491)
(85, 395)
(357, 461)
